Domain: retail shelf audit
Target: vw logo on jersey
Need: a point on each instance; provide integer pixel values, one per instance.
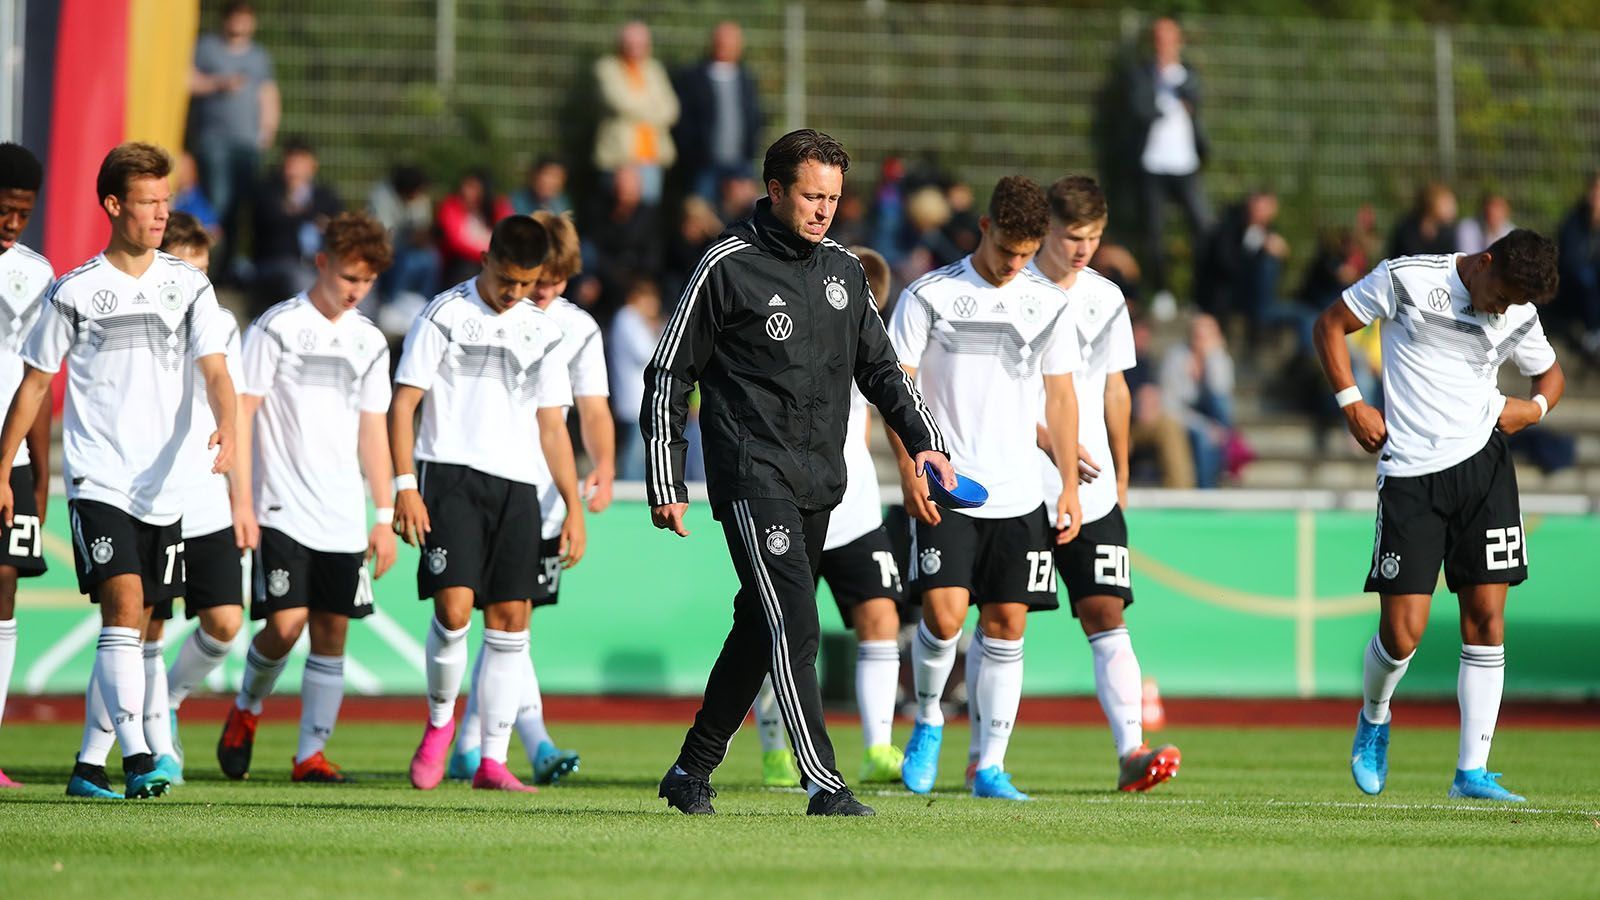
(171, 297)
(838, 297)
(1030, 309)
(965, 307)
(777, 540)
(1439, 299)
(779, 326)
(307, 339)
(105, 302)
(473, 329)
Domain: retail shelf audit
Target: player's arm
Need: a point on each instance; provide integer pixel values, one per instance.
(38, 439)
(564, 472)
(20, 419)
(246, 529)
(1519, 413)
(372, 448)
(223, 402)
(600, 440)
(410, 515)
(1119, 419)
(1061, 420)
(669, 378)
(1363, 420)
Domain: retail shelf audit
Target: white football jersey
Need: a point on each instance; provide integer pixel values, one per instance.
(586, 369)
(1105, 334)
(25, 278)
(130, 346)
(207, 509)
(980, 352)
(486, 376)
(1440, 360)
(316, 376)
(860, 510)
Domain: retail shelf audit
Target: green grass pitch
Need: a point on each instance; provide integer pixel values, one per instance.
(1255, 813)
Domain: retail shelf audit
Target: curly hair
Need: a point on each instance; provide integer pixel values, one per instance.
(1525, 261)
(19, 169)
(357, 235)
(1018, 209)
(1077, 200)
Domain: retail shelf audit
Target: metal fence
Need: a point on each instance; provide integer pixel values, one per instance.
(1331, 114)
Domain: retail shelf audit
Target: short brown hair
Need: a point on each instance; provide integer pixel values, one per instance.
(1077, 200)
(877, 269)
(1525, 261)
(519, 241)
(1018, 208)
(126, 162)
(357, 235)
(566, 253)
(789, 152)
(184, 232)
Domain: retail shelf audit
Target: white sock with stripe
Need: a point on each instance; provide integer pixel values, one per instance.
(120, 654)
(1119, 685)
(1380, 675)
(445, 663)
(769, 720)
(1479, 685)
(321, 693)
(469, 736)
(8, 659)
(98, 735)
(500, 689)
(999, 696)
(530, 713)
(197, 659)
(932, 658)
(157, 725)
(260, 674)
(877, 683)
(974, 713)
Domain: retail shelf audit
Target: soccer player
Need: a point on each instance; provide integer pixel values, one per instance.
(135, 325)
(212, 551)
(25, 277)
(983, 336)
(775, 324)
(586, 369)
(315, 394)
(1095, 566)
(487, 369)
(1447, 488)
(858, 564)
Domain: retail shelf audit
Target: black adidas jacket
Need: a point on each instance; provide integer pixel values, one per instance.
(773, 327)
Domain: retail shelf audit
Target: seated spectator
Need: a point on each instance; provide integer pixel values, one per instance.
(190, 197)
(697, 228)
(924, 246)
(402, 204)
(629, 346)
(1117, 263)
(621, 241)
(291, 213)
(465, 220)
(637, 106)
(736, 197)
(1197, 387)
(544, 191)
(1492, 224)
(1158, 444)
(962, 229)
(1239, 264)
(1430, 227)
(1578, 303)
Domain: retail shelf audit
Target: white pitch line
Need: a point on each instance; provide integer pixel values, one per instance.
(61, 652)
(1197, 801)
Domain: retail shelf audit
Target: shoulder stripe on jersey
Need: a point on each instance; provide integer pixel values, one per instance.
(34, 255)
(949, 271)
(830, 242)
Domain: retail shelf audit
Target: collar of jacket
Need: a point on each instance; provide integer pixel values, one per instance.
(775, 238)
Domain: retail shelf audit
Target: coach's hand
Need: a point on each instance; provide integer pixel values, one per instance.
(1070, 511)
(940, 464)
(670, 517)
(574, 540)
(380, 549)
(1517, 415)
(1366, 425)
(914, 493)
(411, 518)
(8, 503)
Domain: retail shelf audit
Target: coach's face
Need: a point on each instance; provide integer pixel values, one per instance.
(807, 206)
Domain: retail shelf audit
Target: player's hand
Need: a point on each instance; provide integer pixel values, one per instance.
(1088, 469)
(1070, 512)
(597, 487)
(914, 493)
(411, 518)
(670, 517)
(1366, 425)
(8, 503)
(222, 442)
(246, 530)
(380, 549)
(1517, 415)
(574, 540)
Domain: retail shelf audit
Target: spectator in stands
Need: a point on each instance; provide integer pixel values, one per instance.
(465, 220)
(1197, 386)
(697, 227)
(191, 198)
(888, 210)
(1160, 102)
(962, 230)
(850, 219)
(402, 204)
(719, 132)
(1157, 440)
(736, 197)
(924, 246)
(233, 117)
(544, 191)
(1117, 263)
(638, 106)
(1430, 227)
(1493, 223)
(629, 346)
(622, 240)
(1238, 267)
(1578, 302)
(292, 210)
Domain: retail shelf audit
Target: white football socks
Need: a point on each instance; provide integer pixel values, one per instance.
(1380, 675)
(932, 658)
(8, 659)
(157, 726)
(974, 714)
(469, 736)
(1479, 685)
(1118, 683)
(530, 713)
(321, 693)
(999, 694)
(197, 659)
(445, 663)
(98, 735)
(769, 719)
(120, 655)
(500, 688)
(260, 674)
(877, 683)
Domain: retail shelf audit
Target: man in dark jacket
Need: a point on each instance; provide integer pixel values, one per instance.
(774, 324)
(720, 123)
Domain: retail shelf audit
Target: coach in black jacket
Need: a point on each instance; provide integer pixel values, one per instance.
(774, 324)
